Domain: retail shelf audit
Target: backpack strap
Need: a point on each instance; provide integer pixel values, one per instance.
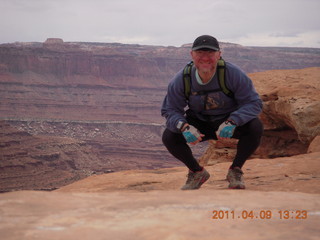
(221, 77)
(187, 79)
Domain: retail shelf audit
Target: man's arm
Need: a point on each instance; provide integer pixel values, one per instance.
(174, 104)
(249, 101)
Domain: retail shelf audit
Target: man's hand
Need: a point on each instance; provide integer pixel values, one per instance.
(226, 130)
(192, 135)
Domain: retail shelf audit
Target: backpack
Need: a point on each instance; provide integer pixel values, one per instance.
(221, 79)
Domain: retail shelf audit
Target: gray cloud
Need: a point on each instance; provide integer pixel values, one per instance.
(165, 22)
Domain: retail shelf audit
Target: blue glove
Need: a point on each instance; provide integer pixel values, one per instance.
(191, 134)
(226, 130)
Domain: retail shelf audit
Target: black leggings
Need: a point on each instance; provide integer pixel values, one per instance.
(249, 136)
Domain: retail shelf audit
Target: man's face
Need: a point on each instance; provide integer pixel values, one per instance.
(205, 61)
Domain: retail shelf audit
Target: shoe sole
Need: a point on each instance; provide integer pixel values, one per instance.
(202, 181)
(237, 187)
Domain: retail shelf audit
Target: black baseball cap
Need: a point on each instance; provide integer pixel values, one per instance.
(205, 42)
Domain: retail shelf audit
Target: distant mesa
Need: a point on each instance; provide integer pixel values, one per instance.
(54, 44)
(53, 41)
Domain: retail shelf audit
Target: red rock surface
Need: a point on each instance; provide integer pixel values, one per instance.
(291, 100)
(77, 110)
(149, 205)
(290, 115)
(314, 145)
(300, 173)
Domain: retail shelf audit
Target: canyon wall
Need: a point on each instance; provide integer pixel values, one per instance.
(105, 99)
(117, 82)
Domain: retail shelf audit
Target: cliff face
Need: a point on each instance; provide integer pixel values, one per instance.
(108, 97)
(84, 81)
(120, 61)
(92, 81)
(43, 163)
(34, 157)
(108, 62)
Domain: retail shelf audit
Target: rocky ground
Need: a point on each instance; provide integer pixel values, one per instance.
(34, 157)
(282, 201)
(76, 119)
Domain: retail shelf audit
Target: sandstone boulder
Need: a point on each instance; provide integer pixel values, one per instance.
(290, 115)
(291, 100)
(314, 145)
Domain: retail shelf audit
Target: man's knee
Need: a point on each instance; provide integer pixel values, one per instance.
(256, 127)
(165, 136)
(170, 138)
(253, 128)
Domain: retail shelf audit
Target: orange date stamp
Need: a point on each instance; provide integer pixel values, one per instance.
(260, 214)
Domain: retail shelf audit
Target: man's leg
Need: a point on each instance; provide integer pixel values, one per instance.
(249, 136)
(178, 147)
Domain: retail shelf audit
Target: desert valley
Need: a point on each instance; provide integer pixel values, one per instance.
(81, 153)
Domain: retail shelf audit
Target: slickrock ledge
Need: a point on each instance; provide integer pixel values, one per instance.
(149, 205)
(291, 106)
(158, 215)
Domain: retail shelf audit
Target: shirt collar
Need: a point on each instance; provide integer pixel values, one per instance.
(199, 80)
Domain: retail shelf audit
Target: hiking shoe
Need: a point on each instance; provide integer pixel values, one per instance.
(234, 177)
(196, 179)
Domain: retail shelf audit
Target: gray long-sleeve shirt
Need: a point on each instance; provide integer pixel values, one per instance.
(245, 106)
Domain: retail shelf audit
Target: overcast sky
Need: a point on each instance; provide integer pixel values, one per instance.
(292, 23)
